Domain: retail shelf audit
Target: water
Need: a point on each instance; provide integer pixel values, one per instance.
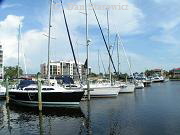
(152, 111)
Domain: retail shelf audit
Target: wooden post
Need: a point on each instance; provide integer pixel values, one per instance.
(88, 90)
(126, 79)
(7, 90)
(39, 92)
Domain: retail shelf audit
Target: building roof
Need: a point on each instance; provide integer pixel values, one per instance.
(157, 69)
(177, 69)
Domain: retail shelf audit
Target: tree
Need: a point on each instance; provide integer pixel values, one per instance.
(92, 74)
(149, 73)
(12, 72)
(101, 74)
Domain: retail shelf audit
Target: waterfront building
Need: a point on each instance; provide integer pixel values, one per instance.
(1, 63)
(63, 68)
(175, 73)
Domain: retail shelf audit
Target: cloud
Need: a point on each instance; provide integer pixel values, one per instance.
(168, 33)
(127, 21)
(168, 26)
(5, 6)
(8, 35)
(168, 38)
(35, 43)
(162, 2)
(165, 38)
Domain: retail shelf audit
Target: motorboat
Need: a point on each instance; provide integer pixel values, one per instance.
(158, 79)
(146, 81)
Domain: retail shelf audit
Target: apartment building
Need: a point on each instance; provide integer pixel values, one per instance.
(1, 63)
(63, 68)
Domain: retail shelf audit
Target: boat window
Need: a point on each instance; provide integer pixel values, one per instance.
(48, 89)
(72, 86)
(30, 89)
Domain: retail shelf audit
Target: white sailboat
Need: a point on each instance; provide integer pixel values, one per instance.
(139, 85)
(129, 87)
(103, 89)
(52, 94)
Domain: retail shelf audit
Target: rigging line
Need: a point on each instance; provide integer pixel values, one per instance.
(118, 57)
(70, 41)
(113, 47)
(129, 65)
(22, 50)
(99, 68)
(24, 59)
(102, 62)
(19, 38)
(103, 37)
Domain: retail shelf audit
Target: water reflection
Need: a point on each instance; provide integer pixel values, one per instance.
(88, 120)
(154, 110)
(41, 124)
(54, 112)
(8, 119)
(24, 120)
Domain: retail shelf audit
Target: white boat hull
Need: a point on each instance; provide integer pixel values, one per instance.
(139, 85)
(2, 92)
(127, 89)
(103, 91)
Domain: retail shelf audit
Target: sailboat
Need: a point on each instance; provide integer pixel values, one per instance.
(99, 89)
(2, 88)
(139, 85)
(53, 95)
(128, 87)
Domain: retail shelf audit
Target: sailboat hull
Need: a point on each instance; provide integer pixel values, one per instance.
(2, 92)
(48, 98)
(127, 89)
(103, 92)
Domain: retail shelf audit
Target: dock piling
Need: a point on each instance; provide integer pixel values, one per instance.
(88, 91)
(7, 89)
(39, 92)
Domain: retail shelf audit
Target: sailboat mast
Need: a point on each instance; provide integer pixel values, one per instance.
(87, 50)
(49, 41)
(128, 62)
(110, 76)
(106, 45)
(19, 38)
(99, 63)
(70, 41)
(118, 53)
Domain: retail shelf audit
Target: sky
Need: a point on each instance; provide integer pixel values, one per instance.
(150, 31)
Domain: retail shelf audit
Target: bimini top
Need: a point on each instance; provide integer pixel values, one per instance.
(25, 83)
